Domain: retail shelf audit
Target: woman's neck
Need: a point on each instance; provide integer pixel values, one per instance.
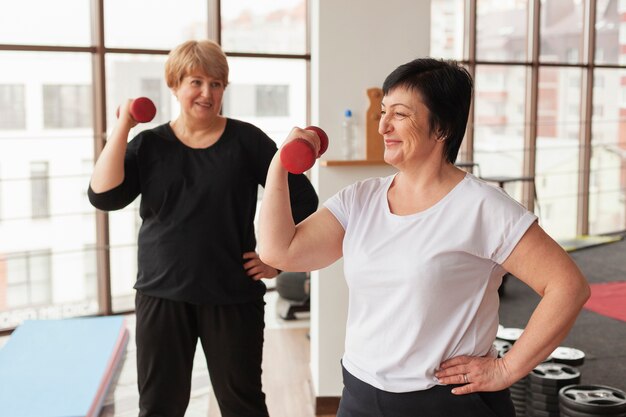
(198, 134)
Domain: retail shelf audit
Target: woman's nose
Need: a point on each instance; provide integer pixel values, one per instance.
(383, 124)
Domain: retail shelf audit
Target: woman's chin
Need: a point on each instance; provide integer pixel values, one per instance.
(390, 157)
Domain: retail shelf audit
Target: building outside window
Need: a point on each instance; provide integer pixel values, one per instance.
(504, 140)
(67, 106)
(257, 100)
(272, 100)
(53, 115)
(12, 107)
(39, 190)
(28, 278)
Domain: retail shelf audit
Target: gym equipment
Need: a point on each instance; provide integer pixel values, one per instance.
(542, 398)
(63, 367)
(502, 347)
(294, 291)
(568, 356)
(142, 110)
(299, 155)
(509, 334)
(518, 395)
(592, 400)
(547, 376)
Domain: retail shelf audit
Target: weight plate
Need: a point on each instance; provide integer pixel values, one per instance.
(554, 375)
(569, 356)
(544, 398)
(542, 413)
(501, 346)
(543, 406)
(568, 412)
(593, 399)
(519, 391)
(509, 334)
(518, 403)
(518, 398)
(548, 389)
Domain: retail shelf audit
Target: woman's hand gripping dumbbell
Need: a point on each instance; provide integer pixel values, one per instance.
(299, 154)
(141, 110)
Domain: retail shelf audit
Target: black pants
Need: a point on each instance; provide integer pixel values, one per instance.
(363, 400)
(167, 333)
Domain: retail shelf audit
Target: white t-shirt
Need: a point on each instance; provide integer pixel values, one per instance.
(422, 287)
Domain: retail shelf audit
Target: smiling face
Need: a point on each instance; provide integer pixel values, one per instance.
(406, 130)
(200, 96)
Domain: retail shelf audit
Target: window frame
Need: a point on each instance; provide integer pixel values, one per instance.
(99, 51)
(588, 63)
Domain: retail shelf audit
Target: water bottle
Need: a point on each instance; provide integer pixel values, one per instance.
(349, 136)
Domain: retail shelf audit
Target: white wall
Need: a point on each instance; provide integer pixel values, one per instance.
(354, 46)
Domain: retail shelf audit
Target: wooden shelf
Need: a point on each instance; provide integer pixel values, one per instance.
(350, 162)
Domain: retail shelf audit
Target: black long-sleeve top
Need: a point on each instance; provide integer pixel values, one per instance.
(198, 208)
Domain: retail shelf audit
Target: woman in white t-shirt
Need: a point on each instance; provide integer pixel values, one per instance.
(424, 253)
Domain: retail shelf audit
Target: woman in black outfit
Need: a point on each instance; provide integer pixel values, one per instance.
(198, 272)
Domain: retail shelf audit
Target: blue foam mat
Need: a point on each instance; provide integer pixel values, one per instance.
(60, 368)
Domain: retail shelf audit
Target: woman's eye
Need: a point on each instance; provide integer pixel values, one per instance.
(216, 85)
(399, 115)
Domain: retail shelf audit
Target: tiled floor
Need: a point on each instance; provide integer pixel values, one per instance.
(123, 397)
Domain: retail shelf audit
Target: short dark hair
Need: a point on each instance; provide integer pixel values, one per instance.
(446, 90)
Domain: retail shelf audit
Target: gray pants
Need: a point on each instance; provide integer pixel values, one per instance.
(363, 400)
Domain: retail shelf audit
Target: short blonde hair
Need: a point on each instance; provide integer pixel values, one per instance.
(204, 55)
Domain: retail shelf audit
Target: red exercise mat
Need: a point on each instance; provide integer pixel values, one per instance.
(608, 299)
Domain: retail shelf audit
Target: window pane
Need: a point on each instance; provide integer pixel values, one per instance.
(607, 194)
(501, 30)
(153, 24)
(43, 170)
(269, 93)
(28, 279)
(124, 260)
(38, 22)
(40, 278)
(561, 31)
(499, 103)
(131, 76)
(39, 189)
(447, 28)
(12, 106)
(261, 26)
(610, 32)
(16, 294)
(558, 131)
(66, 106)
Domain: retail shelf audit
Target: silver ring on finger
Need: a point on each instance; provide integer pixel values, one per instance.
(465, 379)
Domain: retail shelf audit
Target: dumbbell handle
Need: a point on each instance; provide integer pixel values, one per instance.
(299, 155)
(141, 109)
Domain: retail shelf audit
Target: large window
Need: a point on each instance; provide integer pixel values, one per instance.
(549, 103)
(61, 82)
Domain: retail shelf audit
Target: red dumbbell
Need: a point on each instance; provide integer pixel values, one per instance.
(299, 155)
(142, 110)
